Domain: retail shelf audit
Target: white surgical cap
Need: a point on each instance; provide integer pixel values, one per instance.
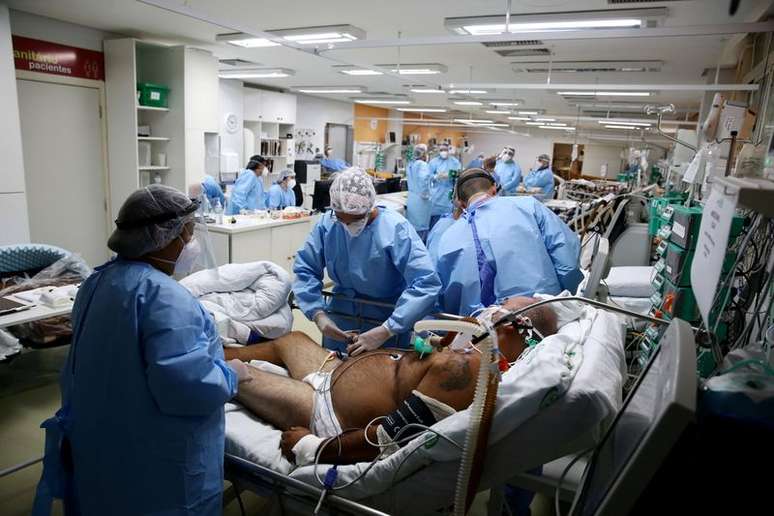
(150, 219)
(352, 192)
(286, 174)
(420, 150)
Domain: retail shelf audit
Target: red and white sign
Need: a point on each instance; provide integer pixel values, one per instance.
(35, 55)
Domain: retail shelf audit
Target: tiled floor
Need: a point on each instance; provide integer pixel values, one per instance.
(29, 393)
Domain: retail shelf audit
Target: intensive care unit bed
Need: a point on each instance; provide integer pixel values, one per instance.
(557, 399)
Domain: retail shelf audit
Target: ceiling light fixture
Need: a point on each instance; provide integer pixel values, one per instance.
(528, 112)
(604, 93)
(256, 73)
(426, 90)
(397, 102)
(329, 89)
(519, 118)
(472, 121)
(240, 39)
(355, 71)
(468, 103)
(554, 127)
(467, 92)
(561, 21)
(415, 68)
(323, 35)
(628, 127)
(545, 119)
(422, 110)
(497, 112)
(623, 122)
(534, 123)
(557, 124)
(503, 103)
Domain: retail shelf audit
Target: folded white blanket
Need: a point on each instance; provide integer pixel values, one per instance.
(244, 297)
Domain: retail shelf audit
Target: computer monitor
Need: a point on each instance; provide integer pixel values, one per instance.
(600, 267)
(654, 415)
(321, 198)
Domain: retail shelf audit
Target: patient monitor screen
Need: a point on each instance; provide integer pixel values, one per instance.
(639, 414)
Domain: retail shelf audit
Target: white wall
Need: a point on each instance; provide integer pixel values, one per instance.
(527, 148)
(315, 113)
(13, 201)
(595, 155)
(231, 100)
(48, 29)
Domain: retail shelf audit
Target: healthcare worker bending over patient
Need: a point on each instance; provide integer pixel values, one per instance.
(248, 188)
(372, 254)
(503, 247)
(141, 428)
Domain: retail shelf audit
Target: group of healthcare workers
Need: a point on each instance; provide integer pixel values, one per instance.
(141, 427)
(248, 192)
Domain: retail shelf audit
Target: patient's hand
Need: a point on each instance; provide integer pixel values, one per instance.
(290, 438)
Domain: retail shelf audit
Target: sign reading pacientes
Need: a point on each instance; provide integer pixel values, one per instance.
(35, 55)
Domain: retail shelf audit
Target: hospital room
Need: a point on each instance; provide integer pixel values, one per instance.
(365, 258)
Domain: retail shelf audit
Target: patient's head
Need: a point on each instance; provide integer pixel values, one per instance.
(511, 342)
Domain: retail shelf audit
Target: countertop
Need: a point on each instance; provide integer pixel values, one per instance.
(246, 223)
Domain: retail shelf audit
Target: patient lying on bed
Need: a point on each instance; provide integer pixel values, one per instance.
(326, 397)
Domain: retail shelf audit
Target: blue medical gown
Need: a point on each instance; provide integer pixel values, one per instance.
(212, 191)
(387, 263)
(508, 176)
(418, 205)
(334, 165)
(143, 391)
(279, 198)
(530, 248)
(441, 188)
(434, 237)
(476, 163)
(247, 193)
(543, 179)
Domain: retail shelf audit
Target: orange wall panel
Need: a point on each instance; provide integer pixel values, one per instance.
(363, 132)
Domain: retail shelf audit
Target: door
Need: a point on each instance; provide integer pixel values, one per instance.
(64, 167)
(338, 137)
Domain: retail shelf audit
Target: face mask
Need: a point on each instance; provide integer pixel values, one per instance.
(444, 154)
(292, 184)
(188, 257)
(355, 228)
(538, 165)
(509, 158)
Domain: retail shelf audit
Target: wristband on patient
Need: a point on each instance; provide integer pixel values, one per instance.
(305, 449)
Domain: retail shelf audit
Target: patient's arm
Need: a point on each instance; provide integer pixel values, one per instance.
(354, 447)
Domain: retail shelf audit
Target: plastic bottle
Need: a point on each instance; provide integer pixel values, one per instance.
(157, 178)
(218, 212)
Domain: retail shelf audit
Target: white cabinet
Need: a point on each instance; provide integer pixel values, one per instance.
(253, 104)
(201, 90)
(285, 243)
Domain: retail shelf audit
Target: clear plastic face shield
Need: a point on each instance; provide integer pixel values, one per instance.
(198, 253)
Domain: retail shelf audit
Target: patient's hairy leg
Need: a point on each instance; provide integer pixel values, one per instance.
(278, 400)
(296, 352)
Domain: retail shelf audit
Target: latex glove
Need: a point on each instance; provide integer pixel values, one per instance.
(241, 370)
(329, 329)
(369, 341)
(521, 188)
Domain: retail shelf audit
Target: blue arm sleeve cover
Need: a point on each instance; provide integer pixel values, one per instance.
(410, 257)
(563, 245)
(183, 375)
(308, 268)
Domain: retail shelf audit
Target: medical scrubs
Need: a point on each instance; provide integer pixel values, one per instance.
(441, 185)
(543, 179)
(247, 193)
(508, 176)
(526, 249)
(280, 198)
(213, 191)
(476, 163)
(143, 391)
(434, 236)
(333, 165)
(418, 205)
(387, 263)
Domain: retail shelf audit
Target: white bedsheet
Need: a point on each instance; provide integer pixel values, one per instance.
(581, 369)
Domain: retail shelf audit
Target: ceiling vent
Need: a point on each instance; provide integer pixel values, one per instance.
(587, 66)
(524, 52)
(513, 43)
(238, 62)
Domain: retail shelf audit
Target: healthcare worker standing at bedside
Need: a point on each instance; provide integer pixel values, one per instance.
(141, 428)
(418, 204)
(443, 169)
(507, 172)
(281, 193)
(540, 180)
(248, 188)
(372, 254)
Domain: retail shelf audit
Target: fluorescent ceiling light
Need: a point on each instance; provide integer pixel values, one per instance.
(330, 89)
(545, 120)
(415, 68)
(554, 127)
(256, 73)
(468, 92)
(321, 35)
(519, 118)
(361, 72)
(535, 123)
(494, 125)
(557, 124)
(528, 112)
(591, 93)
(503, 103)
(426, 90)
(241, 39)
(623, 122)
(497, 112)
(383, 101)
(422, 110)
(622, 127)
(468, 103)
(596, 67)
(472, 121)
(557, 21)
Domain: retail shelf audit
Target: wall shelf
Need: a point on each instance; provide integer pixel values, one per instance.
(152, 139)
(153, 167)
(151, 108)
